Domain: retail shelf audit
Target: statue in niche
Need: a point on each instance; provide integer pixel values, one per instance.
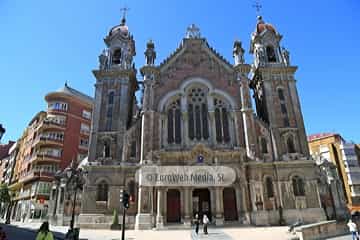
(238, 53)
(286, 56)
(128, 59)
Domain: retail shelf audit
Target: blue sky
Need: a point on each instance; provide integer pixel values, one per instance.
(45, 43)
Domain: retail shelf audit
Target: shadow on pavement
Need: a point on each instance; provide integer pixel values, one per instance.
(16, 230)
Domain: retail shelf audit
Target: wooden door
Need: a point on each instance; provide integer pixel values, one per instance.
(173, 206)
(230, 210)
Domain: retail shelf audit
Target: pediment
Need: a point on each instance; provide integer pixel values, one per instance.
(195, 53)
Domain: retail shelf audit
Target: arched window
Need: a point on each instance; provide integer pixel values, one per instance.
(198, 114)
(116, 56)
(221, 121)
(106, 150)
(174, 122)
(111, 98)
(281, 94)
(269, 187)
(102, 191)
(290, 145)
(264, 148)
(270, 54)
(298, 186)
(283, 107)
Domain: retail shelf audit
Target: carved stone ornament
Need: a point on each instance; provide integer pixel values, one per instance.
(193, 32)
(197, 150)
(238, 53)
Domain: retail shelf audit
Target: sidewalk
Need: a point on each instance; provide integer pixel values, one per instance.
(227, 233)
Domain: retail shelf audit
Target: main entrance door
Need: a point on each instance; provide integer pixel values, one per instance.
(201, 202)
(230, 210)
(173, 206)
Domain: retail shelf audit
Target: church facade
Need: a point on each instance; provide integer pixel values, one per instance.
(196, 112)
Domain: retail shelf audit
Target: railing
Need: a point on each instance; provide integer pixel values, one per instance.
(84, 131)
(46, 139)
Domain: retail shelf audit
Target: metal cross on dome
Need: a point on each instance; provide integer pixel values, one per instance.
(193, 31)
(258, 6)
(124, 10)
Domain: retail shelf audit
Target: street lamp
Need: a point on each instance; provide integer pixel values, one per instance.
(2, 131)
(74, 181)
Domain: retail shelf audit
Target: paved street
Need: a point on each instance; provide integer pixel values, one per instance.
(20, 231)
(347, 237)
(27, 231)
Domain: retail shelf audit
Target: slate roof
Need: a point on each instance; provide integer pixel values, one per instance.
(71, 91)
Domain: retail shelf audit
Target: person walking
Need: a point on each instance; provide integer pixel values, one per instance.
(44, 232)
(352, 228)
(205, 222)
(197, 222)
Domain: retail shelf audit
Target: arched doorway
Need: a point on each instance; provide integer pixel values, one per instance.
(230, 210)
(201, 202)
(173, 206)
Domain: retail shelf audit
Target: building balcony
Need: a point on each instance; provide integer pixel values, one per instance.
(84, 132)
(84, 147)
(42, 141)
(353, 180)
(47, 125)
(32, 175)
(352, 170)
(45, 158)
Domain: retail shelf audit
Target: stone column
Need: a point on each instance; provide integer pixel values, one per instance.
(246, 217)
(187, 207)
(160, 208)
(212, 201)
(238, 203)
(143, 217)
(219, 203)
(212, 127)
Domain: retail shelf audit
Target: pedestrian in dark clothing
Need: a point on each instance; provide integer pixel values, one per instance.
(197, 222)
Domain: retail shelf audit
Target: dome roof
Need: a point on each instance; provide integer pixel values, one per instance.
(122, 28)
(261, 26)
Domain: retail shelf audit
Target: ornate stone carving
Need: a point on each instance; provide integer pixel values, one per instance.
(286, 56)
(193, 32)
(200, 149)
(238, 53)
(150, 53)
(104, 59)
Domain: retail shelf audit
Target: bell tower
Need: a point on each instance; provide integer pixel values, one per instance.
(276, 97)
(114, 96)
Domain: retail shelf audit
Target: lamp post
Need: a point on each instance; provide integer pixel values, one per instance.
(74, 181)
(2, 131)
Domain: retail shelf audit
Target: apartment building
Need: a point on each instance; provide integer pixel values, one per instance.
(52, 139)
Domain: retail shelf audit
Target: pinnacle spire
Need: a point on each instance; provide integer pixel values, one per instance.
(124, 11)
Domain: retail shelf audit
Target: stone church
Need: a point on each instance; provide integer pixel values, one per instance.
(196, 111)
